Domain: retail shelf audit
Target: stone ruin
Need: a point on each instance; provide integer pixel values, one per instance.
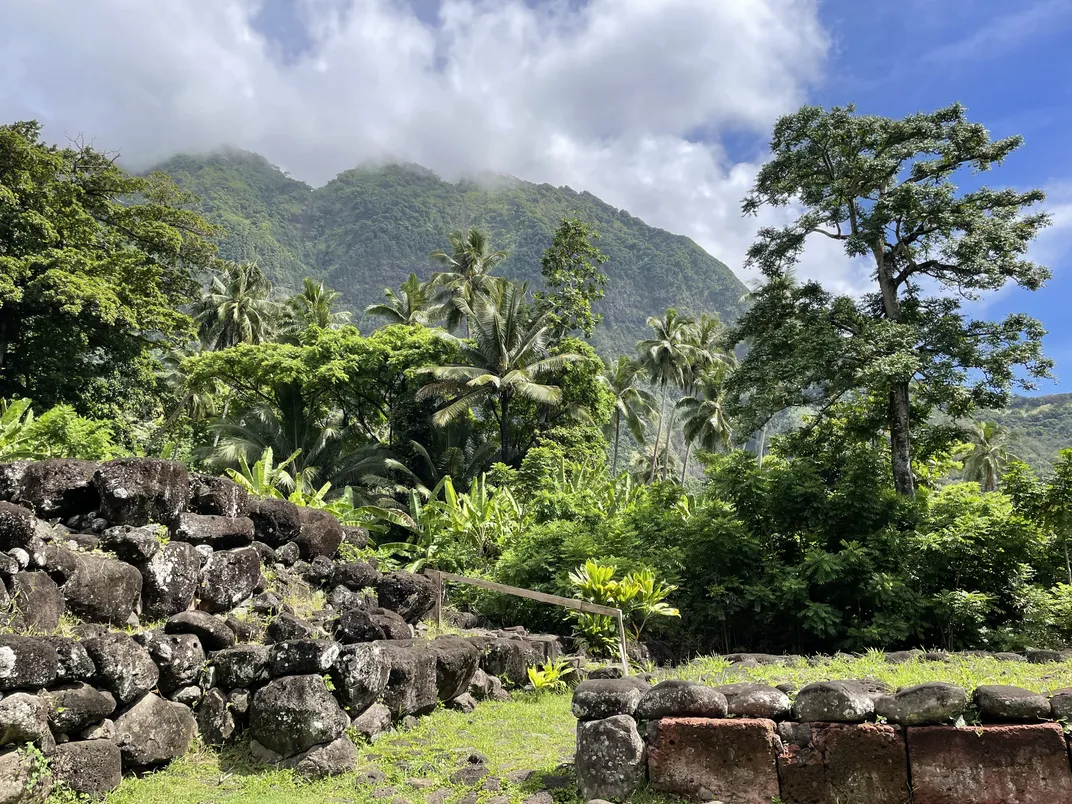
(103, 548)
(838, 742)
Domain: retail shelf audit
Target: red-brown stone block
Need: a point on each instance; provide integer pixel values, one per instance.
(842, 762)
(1026, 764)
(733, 761)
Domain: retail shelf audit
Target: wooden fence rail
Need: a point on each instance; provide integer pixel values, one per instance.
(439, 577)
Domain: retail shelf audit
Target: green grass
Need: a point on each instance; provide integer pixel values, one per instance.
(529, 732)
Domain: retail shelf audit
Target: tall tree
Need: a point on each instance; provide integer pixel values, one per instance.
(570, 268)
(413, 304)
(314, 306)
(986, 456)
(466, 273)
(237, 307)
(705, 422)
(666, 357)
(507, 359)
(632, 404)
(95, 265)
(885, 190)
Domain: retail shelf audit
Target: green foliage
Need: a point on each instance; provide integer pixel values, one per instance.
(94, 267)
(570, 269)
(550, 676)
(58, 433)
(369, 228)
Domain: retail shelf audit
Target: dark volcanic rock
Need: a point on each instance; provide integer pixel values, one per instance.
(292, 714)
(243, 666)
(923, 704)
(59, 488)
(154, 731)
(302, 657)
(393, 626)
(73, 707)
(834, 702)
(26, 662)
(356, 625)
(170, 580)
(675, 698)
(748, 699)
(997, 702)
(456, 663)
(214, 719)
(510, 659)
(217, 531)
(319, 534)
(96, 588)
(87, 767)
(130, 544)
(411, 596)
(18, 527)
(212, 631)
(596, 699)
(137, 491)
(373, 722)
(358, 538)
(24, 719)
(610, 758)
(21, 780)
(217, 496)
(229, 577)
(357, 575)
(11, 474)
(275, 522)
(73, 662)
(38, 599)
(286, 627)
(360, 675)
(124, 667)
(411, 685)
(180, 658)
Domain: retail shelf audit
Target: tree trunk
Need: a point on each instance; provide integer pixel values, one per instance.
(901, 441)
(504, 430)
(666, 447)
(1068, 564)
(658, 437)
(685, 462)
(762, 445)
(617, 436)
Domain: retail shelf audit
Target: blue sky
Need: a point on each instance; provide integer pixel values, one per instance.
(661, 107)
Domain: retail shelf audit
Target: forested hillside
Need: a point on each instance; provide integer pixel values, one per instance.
(368, 228)
(1039, 427)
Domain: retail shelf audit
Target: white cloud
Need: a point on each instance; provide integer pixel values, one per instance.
(601, 96)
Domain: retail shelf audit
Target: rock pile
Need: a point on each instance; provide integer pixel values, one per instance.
(847, 740)
(116, 544)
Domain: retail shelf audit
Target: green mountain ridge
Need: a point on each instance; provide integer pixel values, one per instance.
(1039, 427)
(369, 227)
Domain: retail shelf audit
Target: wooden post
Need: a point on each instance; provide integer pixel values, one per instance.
(438, 578)
(621, 642)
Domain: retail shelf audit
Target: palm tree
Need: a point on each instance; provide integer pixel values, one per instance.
(986, 456)
(314, 306)
(236, 308)
(466, 273)
(411, 305)
(705, 421)
(506, 358)
(666, 357)
(633, 404)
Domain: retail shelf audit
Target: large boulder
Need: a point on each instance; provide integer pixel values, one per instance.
(18, 528)
(217, 496)
(229, 577)
(923, 704)
(26, 662)
(170, 580)
(835, 702)
(510, 659)
(124, 667)
(24, 719)
(11, 474)
(392, 624)
(217, 531)
(676, 698)
(999, 702)
(286, 627)
(412, 596)
(356, 576)
(73, 662)
(322, 761)
(215, 721)
(241, 667)
(372, 723)
(96, 588)
(73, 707)
(24, 779)
(89, 768)
(130, 544)
(360, 675)
(292, 714)
(411, 685)
(601, 698)
(137, 491)
(356, 537)
(59, 488)
(154, 731)
(357, 625)
(456, 663)
(212, 631)
(180, 658)
(302, 657)
(320, 534)
(38, 600)
(610, 758)
(275, 522)
(748, 699)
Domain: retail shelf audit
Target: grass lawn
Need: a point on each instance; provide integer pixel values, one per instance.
(530, 732)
